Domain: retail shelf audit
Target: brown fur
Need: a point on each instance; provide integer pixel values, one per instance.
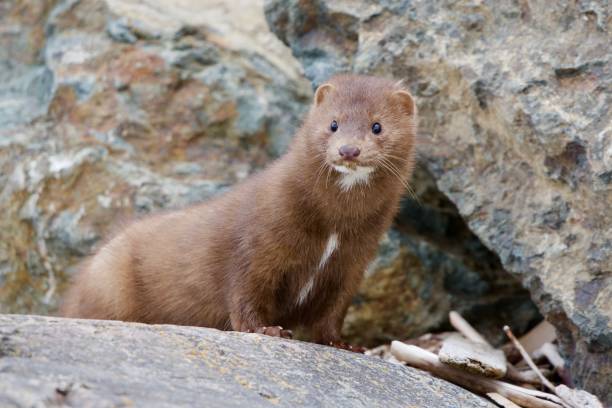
(240, 260)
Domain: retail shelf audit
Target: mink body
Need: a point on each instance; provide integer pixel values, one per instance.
(288, 246)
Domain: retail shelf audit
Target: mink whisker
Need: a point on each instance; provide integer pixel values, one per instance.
(386, 164)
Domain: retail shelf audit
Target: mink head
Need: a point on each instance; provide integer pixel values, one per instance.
(360, 124)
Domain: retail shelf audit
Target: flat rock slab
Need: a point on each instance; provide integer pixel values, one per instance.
(477, 358)
(46, 361)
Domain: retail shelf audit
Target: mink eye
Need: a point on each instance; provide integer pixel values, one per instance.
(376, 128)
(333, 126)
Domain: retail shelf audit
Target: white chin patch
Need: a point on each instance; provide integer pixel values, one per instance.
(351, 177)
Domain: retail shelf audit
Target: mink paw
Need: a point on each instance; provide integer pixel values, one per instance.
(274, 331)
(345, 346)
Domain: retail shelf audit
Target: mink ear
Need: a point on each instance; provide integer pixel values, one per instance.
(405, 100)
(322, 92)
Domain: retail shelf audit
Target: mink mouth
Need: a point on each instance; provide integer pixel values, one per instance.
(352, 164)
(351, 167)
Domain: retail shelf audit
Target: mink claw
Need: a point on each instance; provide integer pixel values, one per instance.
(346, 346)
(286, 334)
(274, 331)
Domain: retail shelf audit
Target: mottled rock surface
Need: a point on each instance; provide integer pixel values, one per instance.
(515, 102)
(102, 363)
(112, 109)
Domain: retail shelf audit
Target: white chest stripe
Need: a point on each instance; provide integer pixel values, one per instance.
(332, 245)
(351, 177)
(305, 291)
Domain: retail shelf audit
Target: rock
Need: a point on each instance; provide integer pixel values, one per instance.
(25, 84)
(477, 358)
(46, 361)
(578, 398)
(518, 135)
(112, 109)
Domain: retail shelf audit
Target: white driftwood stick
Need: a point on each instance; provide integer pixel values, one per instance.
(528, 359)
(501, 400)
(423, 359)
(535, 393)
(463, 327)
(550, 352)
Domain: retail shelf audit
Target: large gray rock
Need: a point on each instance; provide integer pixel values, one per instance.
(102, 363)
(515, 103)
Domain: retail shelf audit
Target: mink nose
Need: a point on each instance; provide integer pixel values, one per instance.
(349, 152)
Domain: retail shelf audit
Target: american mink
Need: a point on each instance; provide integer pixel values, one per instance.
(288, 246)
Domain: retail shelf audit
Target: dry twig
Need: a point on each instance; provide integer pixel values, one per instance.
(528, 359)
(425, 360)
(569, 398)
(463, 327)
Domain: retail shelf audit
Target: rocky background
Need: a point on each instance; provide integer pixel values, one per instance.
(516, 105)
(112, 109)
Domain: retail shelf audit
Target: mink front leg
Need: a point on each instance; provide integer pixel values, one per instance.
(250, 308)
(244, 318)
(327, 329)
(249, 314)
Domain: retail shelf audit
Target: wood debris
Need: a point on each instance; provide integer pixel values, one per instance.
(501, 400)
(549, 351)
(543, 333)
(467, 359)
(528, 359)
(513, 374)
(477, 358)
(423, 359)
(463, 327)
